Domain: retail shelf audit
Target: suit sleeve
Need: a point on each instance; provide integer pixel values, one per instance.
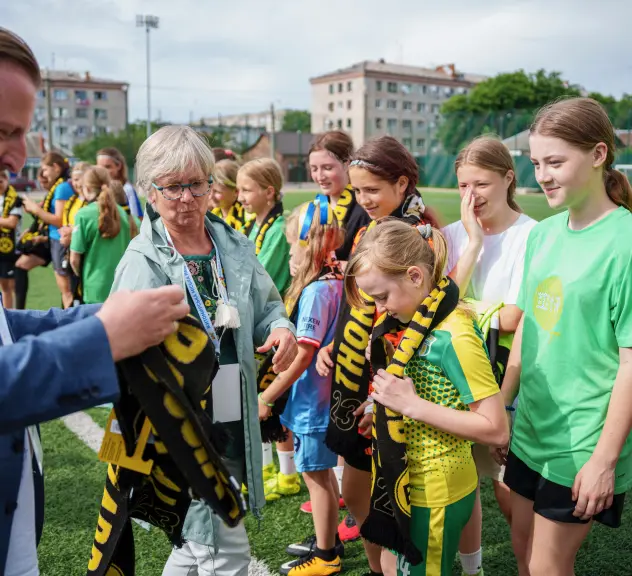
(66, 368)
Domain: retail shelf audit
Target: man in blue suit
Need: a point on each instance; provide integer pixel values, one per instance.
(57, 362)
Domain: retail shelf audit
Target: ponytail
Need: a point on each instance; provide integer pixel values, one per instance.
(109, 217)
(618, 188)
(440, 249)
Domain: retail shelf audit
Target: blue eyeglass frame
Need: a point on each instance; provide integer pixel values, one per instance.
(182, 188)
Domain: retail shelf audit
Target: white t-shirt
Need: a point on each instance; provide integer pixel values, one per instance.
(498, 272)
(13, 212)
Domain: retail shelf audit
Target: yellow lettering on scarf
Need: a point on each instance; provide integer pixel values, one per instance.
(346, 358)
(161, 495)
(176, 374)
(159, 475)
(396, 427)
(341, 378)
(355, 336)
(364, 318)
(189, 435)
(104, 529)
(200, 455)
(95, 559)
(108, 502)
(186, 352)
(173, 407)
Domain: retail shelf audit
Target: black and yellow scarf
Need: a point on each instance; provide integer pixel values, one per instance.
(7, 235)
(72, 206)
(388, 523)
(236, 217)
(38, 227)
(271, 429)
(169, 385)
(345, 206)
(352, 373)
(271, 218)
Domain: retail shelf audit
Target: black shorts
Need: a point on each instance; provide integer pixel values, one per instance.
(551, 500)
(360, 460)
(7, 268)
(41, 250)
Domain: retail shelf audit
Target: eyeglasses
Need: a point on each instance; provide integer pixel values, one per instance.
(176, 191)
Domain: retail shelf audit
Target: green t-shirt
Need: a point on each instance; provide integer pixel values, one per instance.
(200, 268)
(275, 254)
(100, 255)
(577, 301)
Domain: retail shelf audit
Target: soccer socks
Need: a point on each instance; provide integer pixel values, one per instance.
(21, 288)
(472, 563)
(286, 462)
(267, 454)
(338, 470)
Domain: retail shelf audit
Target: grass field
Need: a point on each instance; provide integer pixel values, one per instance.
(74, 485)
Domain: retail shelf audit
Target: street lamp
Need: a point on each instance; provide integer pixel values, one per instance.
(148, 22)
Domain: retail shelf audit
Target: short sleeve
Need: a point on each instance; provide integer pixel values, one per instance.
(79, 241)
(521, 300)
(313, 314)
(64, 192)
(16, 211)
(621, 314)
(466, 364)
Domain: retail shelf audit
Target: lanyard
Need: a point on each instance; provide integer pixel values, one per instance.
(197, 299)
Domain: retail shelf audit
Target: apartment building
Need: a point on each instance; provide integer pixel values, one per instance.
(375, 98)
(81, 106)
(260, 120)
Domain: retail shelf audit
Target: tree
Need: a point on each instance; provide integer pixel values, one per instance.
(295, 120)
(504, 104)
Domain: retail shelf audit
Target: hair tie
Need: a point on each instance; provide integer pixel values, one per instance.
(362, 164)
(425, 230)
(326, 216)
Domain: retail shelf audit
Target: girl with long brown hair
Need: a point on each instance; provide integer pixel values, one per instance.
(115, 163)
(570, 458)
(101, 234)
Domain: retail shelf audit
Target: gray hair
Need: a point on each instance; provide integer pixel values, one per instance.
(171, 150)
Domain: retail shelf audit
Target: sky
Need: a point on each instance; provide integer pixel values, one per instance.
(212, 57)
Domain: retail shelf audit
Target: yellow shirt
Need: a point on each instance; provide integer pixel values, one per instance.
(451, 369)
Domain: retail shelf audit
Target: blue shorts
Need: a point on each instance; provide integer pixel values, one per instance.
(311, 453)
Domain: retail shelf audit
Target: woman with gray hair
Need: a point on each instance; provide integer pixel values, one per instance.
(233, 296)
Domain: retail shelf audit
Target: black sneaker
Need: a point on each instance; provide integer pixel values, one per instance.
(306, 547)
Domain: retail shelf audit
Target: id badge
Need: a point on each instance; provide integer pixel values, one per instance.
(226, 390)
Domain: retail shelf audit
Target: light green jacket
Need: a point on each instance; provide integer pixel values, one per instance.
(149, 262)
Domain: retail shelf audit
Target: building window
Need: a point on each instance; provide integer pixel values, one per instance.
(60, 112)
(407, 105)
(41, 94)
(423, 89)
(60, 94)
(100, 130)
(407, 88)
(339, 123)
(434, 144)
(420, 124)
(81, 113)
(100, 95)
(348, 104)
(408, 143)
(421, 143)
(378, 103)
(434, 89)
(391, 104)
(330, 125)
(421, 106)
(82, 131)
(339, 86)
(330, 106)
(100, 114)
(331, 88)
(392, 87)
(448, 91)
(407, 125)
(391, 124)
(378, 123)
(378, 85)
(349, 86)
(61, 130)
(340, 104)
(348, 122)
(462, 90)
(435, 108)
(81, 95)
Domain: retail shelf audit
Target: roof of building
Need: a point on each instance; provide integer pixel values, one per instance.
(445, 72)
(289, 143)
(72, 77)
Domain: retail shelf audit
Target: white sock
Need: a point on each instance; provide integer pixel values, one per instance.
(286, 462)
(338, 470)
(472, 563)
(268, 457)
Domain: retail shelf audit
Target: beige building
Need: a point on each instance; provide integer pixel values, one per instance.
(81, 106)
(376, 98)
(259, 120)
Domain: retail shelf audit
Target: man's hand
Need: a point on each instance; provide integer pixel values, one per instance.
(287, 349)
(135, 321)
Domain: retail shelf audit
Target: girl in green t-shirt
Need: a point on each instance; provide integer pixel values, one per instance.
(101, 233)
(570, 459)
(259, 184)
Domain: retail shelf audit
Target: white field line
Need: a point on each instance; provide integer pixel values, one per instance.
(91, 434)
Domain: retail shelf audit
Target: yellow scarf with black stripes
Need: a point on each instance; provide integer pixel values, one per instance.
(169, 387)
(38, 227)
(236, 217)
(272, 217)
(72, 206)
(345, 205)
(388, 523)
(7, 235)
(352, 373)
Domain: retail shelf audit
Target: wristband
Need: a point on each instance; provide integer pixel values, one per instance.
(369, 408)
(268, 404)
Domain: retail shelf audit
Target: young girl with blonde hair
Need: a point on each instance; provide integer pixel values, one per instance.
(100, 236)
(222, 200)
(313, 302)
(434, 394)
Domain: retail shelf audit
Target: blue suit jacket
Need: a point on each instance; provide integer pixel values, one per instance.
(60, 363)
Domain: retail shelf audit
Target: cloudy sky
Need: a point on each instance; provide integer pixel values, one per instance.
(214, 57)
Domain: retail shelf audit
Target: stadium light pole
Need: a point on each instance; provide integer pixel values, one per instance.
(148, 22)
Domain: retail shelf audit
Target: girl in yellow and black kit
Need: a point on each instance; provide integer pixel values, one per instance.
(222, 200)
(436, 396)
(10, 215)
